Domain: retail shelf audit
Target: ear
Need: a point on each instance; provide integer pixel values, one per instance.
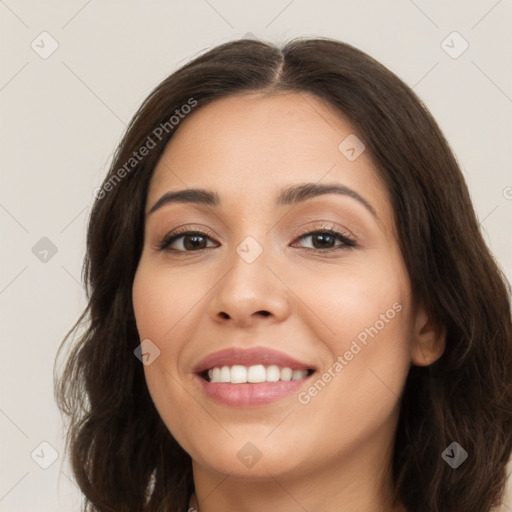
(428, 340)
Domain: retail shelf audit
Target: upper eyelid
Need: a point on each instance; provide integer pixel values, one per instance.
(308, 227)
(348, 240)
(327, 226)
(305, 231)
(172, 237)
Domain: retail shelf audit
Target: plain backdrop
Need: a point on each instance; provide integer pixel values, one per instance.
(72, 75)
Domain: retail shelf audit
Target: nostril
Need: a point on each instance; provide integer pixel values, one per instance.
(264, 313)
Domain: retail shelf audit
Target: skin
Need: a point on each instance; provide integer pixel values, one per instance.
(331, 453)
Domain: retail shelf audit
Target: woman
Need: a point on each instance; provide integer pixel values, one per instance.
(286, 243)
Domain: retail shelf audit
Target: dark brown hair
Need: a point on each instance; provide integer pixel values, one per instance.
(123, 456)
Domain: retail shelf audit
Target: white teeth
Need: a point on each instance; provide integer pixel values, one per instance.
(273, 373)
(256, 373)
(286, 374)
(225, 374)
(299, 374)
(238, 374)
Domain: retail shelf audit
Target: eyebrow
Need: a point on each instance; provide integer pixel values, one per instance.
(288, 196)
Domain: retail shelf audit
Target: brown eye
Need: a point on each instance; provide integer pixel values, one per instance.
(325, 240)
(186, 242)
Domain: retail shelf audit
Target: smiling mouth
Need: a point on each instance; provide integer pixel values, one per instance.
(254, 374)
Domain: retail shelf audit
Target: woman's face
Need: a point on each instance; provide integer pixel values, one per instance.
(285, 280)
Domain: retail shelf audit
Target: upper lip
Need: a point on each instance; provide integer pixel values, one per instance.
(250, 357)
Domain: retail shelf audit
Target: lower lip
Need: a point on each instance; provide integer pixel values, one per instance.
(248, 394)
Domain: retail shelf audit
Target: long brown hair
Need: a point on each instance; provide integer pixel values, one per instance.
(123, 456)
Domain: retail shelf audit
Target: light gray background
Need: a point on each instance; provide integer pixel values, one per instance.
(61, 118)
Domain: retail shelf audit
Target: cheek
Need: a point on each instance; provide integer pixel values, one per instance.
(362, 315)
(161, 299)
(159, 305)
(344, 301)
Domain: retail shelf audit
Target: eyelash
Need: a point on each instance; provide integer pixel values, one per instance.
(347, 242)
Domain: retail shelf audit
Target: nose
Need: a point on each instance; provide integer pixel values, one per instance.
(248, 294)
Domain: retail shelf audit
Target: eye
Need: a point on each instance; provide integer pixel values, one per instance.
(322, 240)
(185, 241)
(325, 240)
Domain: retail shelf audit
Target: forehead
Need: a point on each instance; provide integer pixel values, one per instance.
(251, 145)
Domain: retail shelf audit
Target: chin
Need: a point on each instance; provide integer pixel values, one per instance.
(251, 456)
